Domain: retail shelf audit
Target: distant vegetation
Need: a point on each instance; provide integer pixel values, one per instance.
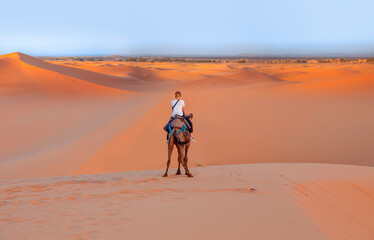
(131, 59)
(301, 60)
(78, 59)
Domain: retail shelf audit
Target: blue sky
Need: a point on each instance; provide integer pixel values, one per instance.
(193, 27)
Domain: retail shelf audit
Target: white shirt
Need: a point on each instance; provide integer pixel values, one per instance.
(178, 109)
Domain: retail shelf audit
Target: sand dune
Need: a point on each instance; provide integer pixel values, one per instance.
(255, 123)
(345, 79)
(149, 71)
(29, 72)
(62, 120)
(243, 114)
(259, 201)
(19, 71)
(241, 77)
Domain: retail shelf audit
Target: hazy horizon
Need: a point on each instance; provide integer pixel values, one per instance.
(244, 55)
(167, 28)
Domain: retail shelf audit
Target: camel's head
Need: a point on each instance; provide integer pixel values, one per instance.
(182, 137)
(189, 116)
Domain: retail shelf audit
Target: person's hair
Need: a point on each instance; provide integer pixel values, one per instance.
(177, 94)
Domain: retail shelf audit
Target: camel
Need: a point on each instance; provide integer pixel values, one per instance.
(180, 137)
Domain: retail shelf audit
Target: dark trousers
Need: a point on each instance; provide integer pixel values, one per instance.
(190, 123)
(166, 128)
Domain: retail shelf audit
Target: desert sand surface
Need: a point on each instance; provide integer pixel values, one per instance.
(82, 150)
(249, 201)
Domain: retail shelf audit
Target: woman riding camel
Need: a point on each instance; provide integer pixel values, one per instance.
(178, 106)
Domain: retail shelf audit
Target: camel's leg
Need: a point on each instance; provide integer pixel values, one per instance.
(179, 168)
(179, 159)
(186, 154)
(179, 163)
(170, 151)
(184, 164)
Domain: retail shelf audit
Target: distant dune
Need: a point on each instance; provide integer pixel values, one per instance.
(238, 78)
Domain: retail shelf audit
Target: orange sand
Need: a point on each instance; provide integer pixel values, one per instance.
(290, 201)
(73, 118)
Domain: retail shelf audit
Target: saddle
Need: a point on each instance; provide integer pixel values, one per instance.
(178, 122)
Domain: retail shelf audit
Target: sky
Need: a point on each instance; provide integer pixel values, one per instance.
(193, 27)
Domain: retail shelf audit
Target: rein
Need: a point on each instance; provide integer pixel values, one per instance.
(183, 129)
